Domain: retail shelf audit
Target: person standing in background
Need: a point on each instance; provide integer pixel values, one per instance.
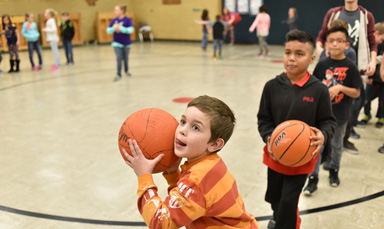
(13, 41)
(122, 28)
(52, 37)
(293, 17)
(67, 34)
(206, 29)
(31, 32)
(262, 22)
(229, 18)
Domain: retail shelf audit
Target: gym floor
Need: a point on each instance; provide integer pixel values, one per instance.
(60, 165)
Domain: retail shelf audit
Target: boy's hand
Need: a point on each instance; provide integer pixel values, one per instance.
(318, 141)
(269, 148)
(334, 91)
(138, 162)
(117, 28)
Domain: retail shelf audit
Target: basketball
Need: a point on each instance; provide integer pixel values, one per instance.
(154, 131)
(290, 143)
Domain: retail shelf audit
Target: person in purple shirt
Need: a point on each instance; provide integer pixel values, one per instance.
(122, 28)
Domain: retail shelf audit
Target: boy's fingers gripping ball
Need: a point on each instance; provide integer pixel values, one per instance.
(290, 143)
(154, 131)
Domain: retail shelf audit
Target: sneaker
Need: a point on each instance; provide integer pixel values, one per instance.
(268, 53)
(260, 54)
(39, 67)
(311, 186)
(117, 78)
(35, 68)
(379, 123)
(271, 224)
(363, 122)
(350, 148)
(354, 134)
(334, 177)
(54, 68)
(214, 58)
(220, 57)
(128, 74)
(381, 149)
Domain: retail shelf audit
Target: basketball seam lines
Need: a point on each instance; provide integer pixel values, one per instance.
(292, 141)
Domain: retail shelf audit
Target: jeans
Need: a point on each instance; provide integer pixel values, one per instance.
(34, 45)
(373, 91)
(204, 41)
(217, 44)
(122, 55)
(334, 159)
(55, 50)
(68, 50)
(263, 43)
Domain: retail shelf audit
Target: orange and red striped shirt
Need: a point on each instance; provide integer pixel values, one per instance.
(203, 195)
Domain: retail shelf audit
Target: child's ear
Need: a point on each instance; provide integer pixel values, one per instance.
(347, 44)
(313, 57)
(216, 145)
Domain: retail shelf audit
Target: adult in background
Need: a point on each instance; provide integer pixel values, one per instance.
(122, 28)
(229, 18)
(361, 25)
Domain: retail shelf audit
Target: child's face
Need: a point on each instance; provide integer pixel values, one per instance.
(291, 13)
(47, 15)
(118, 11)
(297, 57)
(336, 44)
(379, 38)
(192, 135)
(6, 21)
(30, 18)
(64, 17)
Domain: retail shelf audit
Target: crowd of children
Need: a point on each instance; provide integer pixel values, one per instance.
(31, 33)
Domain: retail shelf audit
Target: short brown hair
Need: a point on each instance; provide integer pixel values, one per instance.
(339, 22)
(65, 13)
(222, 118)
(379, 27)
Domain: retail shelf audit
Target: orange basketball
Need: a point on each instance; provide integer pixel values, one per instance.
(154, 131)
(290, 143)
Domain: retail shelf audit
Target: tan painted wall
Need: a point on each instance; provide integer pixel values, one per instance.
(175, 22)
(88, 13)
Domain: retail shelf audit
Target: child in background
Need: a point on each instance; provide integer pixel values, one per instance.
(229, 18)
(52, 37)
(32, 34)
(67, 34)
(218, 37)
(293, 17)
(206, 30)
(282, 100)
(349, 52)
(262, 22)
(375, 86)
(204, 193)
(13, 42)
(122, 28)
(348, 82)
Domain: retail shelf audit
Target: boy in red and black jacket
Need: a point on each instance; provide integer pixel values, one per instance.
(293, 95)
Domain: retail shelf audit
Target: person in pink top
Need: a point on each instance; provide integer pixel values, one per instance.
(229, 18)
(262, 22)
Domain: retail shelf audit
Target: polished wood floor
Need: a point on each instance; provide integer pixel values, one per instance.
(58, 145)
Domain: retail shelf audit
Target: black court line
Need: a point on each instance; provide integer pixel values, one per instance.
(127, 223)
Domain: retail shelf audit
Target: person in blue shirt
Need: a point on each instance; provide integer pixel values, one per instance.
(31, 33)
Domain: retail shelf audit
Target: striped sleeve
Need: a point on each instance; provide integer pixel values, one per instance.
(183, 205)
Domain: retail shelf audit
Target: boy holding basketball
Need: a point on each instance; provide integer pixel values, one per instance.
(342, 77)
(204, 193)
(293, 95)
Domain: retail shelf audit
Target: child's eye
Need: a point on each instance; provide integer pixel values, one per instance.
(287, 53)
(300, 54)
(182, 122)
(194, 127)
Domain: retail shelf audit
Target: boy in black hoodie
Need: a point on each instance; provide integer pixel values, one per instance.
(67, 34)
(293, 95)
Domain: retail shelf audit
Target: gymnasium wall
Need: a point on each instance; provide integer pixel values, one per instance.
(311, 14)
(88, 13)
(175, 21)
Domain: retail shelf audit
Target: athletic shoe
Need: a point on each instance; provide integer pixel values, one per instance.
(311, 186)
(260, 54)
(117, 78)
(268, 53)
(35, 68)
(334, 177)
(220, 57)
(363, 122)
(381, 149)
(354, 134)
(379, 123)
(214, 58)
(350, 148)
(54, 68)
(271, 224)
(128, 74)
